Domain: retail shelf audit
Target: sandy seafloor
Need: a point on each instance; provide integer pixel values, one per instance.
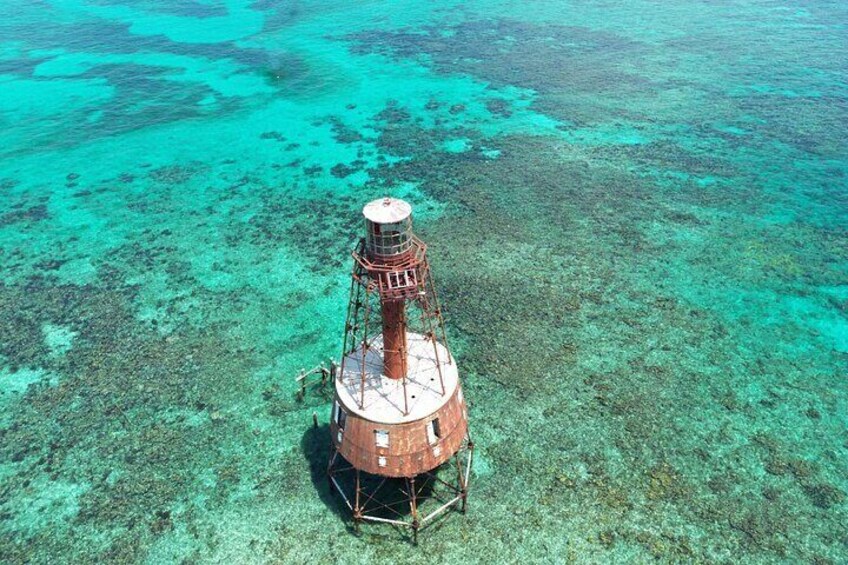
(637, 213)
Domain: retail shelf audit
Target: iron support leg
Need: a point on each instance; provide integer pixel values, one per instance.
(413, 506)
(463, 492)
(357, 510)
(330, 465)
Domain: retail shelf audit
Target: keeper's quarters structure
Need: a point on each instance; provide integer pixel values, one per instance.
(400, 452)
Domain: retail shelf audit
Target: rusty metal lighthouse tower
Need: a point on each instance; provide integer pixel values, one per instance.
(401, 452)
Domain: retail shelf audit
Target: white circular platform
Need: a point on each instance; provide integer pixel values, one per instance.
(384, 396)
(387, 210)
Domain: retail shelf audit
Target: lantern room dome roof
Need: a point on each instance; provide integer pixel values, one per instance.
(387, 210)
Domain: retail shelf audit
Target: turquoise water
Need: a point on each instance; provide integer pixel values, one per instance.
(638, 218)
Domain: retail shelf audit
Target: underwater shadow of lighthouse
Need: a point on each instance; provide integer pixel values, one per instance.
(389, 501)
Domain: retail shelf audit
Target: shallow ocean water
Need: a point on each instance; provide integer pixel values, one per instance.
(638, 220)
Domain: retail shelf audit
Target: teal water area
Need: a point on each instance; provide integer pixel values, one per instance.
(638, 220)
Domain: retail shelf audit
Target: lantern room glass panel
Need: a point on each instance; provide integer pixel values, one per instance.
(387, 240)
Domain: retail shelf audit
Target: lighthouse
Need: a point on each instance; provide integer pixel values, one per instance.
(401, 452)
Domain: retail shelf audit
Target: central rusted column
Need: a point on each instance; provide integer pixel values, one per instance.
(394, 338)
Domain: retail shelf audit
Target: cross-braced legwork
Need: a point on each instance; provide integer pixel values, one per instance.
(410, 502)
